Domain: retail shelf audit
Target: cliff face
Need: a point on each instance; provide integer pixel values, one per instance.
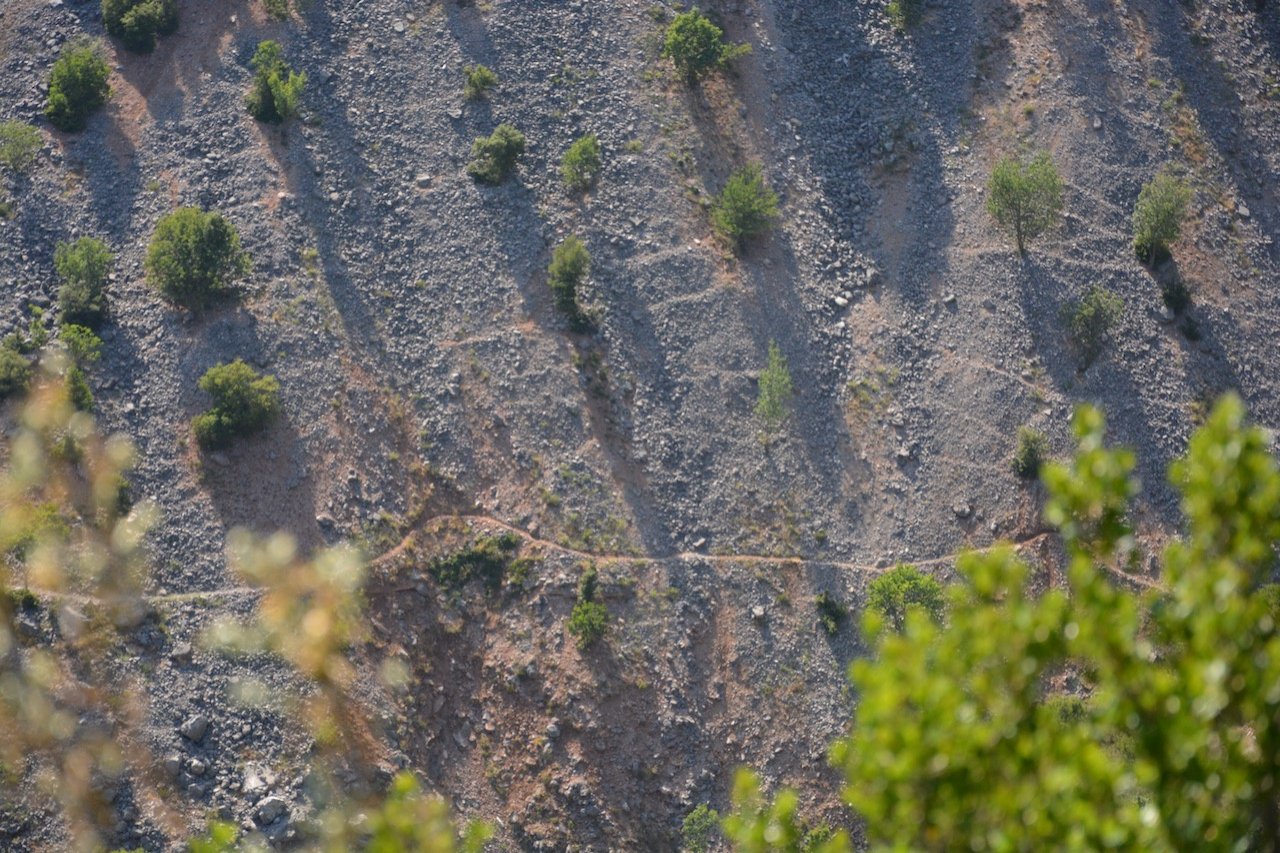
(432, 391)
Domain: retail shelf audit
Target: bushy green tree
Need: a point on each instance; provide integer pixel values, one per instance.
(244, 402)
(137, 23)
(773, 403)
(1025, 197)
(1157, 217)
(82, 344)
(589, 618)
(1091, 319)
(745, 207)
(15, 373)
(77, 87)
(570, 263)
(700, 830)
(277, 88)
(902, 589)
(477, 81)
(194, 257)
(19, 143)
(580, 165)
(696, 46)
(1030, 453)
(494, 157)
(83, 267)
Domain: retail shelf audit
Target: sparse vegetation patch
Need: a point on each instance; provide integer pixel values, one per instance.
(244, 402)
(19, 143)
(277, 88)
(77, 87)
(494, 157)
(1157, 217)
(1090, 321)
(137, 23)
(580, 165)
(477, 81)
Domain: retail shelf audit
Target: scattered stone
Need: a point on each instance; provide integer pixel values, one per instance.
(194, 728)
(182, 653)
(757, 613)
(269, 809)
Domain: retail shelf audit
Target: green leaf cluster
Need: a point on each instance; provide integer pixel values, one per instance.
(1025, 197)
(244, 402)
(494, 157)
(277, 88)
(580, 165)
(570, 263)
(1091, 319)
(77, 87)
(1157, 217)
(773, 403)
(194, 257)
(137, 23)
(901, 590)
(696, 46)
(83, 267)
(19, 143)
(745, 207)
(477, 81)
(589, 617)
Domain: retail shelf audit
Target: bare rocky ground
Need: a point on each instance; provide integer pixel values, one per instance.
(431, 390)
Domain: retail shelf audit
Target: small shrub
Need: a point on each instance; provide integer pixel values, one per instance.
(82, 344)
(78, 390)
(19, 143)
(277, 88)
(15, 373)
(477, 81)
(830, 612)
(570, 263)
(1030, 453)
(700, 830)
(494, 157)
(1025, 197)
(1176, 294)
(903, 14)
(277, 10)
(1157, 217)
(589, 618)
(1091, 319)
(580, 165)
(904, 588)
(244, 402)
(696, 46)
(774, 401)
(77, 87)
(745, 207)
(137, 23)
(488, 559)
(83, 267)
(194, 257)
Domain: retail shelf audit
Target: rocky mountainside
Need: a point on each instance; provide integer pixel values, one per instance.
(433, 395)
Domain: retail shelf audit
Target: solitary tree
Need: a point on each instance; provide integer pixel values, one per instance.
(494, 157)
(900, 590)
(570, 263)
(1157, 217)
(244, 402)
(745, 207)
(277, 88)
(137, 22)
(83, 267)
(1091, 319)
(19, 143)
(194, 257)
(774, 401)
(77, 87)
(1025, 196)
(696, 46)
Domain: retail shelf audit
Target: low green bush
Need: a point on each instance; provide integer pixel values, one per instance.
(830, 612)
(19, 143)
(15, 373)
(77, 87)
(1090, 321)
(194, 257)
(277, 88)
(82, 344)
(488, 559)
(904, 588)
(580, 165)
(1030, 453)
(1176, 294)
(1157, 217)
(1025, 196)
(137, 23)
(277, 10)
(570, 263)
(700, 830)
(83, 267)
(589, 618)
(477, 81)
(745, 207)
(244, 402)
(773, 403)
(494, 157)
(696, 46)
(903, 14)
